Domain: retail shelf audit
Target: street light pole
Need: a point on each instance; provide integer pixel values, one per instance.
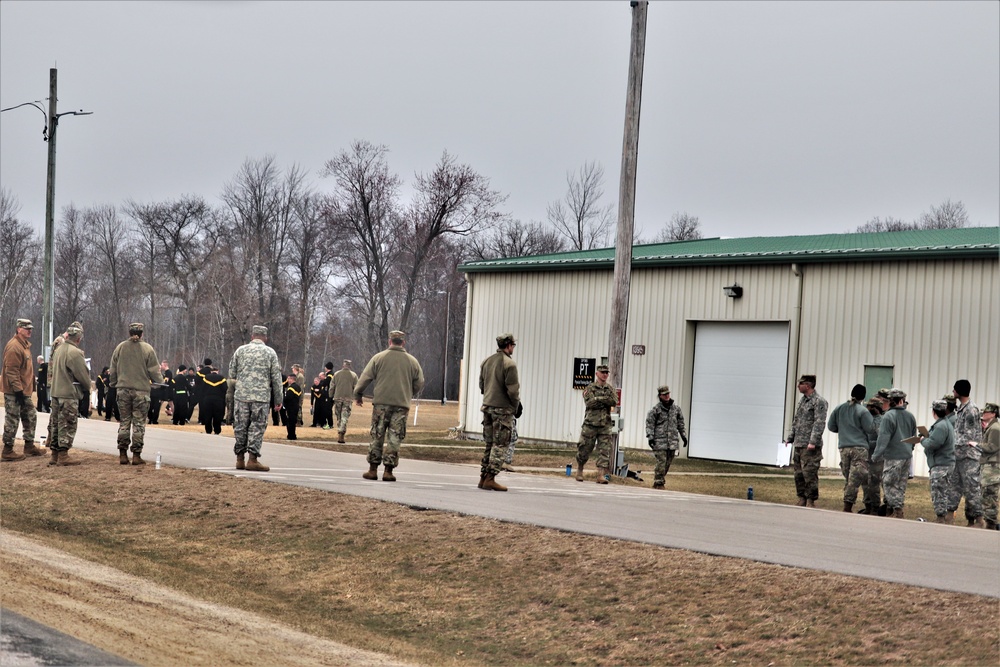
(444, 363)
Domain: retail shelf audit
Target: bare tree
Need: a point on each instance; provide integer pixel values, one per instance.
(365, 205)
(948, 215)
(453, 200)
(114, 259)
(313, 248)
(19, 273)
(682, 227)
(513, 238)
(74, 279)
(580, 217)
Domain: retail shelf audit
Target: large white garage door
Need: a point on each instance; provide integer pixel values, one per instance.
(738, 391)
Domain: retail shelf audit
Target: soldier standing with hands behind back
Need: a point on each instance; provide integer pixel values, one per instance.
(18, 384)
(501, 390)
(133, 367)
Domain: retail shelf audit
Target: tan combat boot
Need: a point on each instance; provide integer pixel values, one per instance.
(54, 460)
(991, 524)
(31, 450)
(940, 519)
(123, 457)
(137, 459)
(387, 475)
(579, 472)
(241, 462)
(254, 464)
(949, 518)
(482, 478)
(977, 523)
(810, 502)
(603, 476)
(490, 483)
(66, 460)
(9, 455)
(340, 439)
(372, 472)
(897, 513)
(801, 502)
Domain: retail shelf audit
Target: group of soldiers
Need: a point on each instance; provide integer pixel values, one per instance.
(877, 439)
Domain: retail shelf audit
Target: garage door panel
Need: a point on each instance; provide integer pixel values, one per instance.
(738, 389)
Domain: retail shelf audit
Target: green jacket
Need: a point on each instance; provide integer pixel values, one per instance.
(990, 444)
(395, 376)
(498, 382)
(897, 423)
(852, 422)
(69, 366)
(939, 445)
(343, 383)
(134, 366)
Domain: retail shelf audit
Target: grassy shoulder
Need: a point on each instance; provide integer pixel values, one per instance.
(440, 588)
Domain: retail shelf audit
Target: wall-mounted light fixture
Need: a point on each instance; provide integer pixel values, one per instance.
(734, 291)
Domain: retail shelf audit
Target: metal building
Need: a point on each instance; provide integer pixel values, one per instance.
(730, 324)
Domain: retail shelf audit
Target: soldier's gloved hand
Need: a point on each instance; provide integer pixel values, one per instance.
(684, 438)
(652, 444)
(19, 397)
(519, 411)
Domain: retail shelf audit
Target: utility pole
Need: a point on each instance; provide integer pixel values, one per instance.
(48, 300)
(626, 206)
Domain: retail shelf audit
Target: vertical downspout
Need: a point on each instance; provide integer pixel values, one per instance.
(795, 335)
(463, 376)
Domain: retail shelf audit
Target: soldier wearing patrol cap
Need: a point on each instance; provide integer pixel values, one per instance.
(257, 372)
(897, 424)
(134, 365)
(17, 382)
(806, 437)
(342, 392)
(664, 429)
(873, 485)
(70, 384)
(598, 398)
(939, 447)
(395, 376)
(501, 389)
(990, 462)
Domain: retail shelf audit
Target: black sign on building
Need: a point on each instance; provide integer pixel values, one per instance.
(583, 372)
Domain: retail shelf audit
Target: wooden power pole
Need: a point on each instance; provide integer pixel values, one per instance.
(626, 204)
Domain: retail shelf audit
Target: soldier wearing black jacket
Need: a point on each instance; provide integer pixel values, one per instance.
(290, 405)
(213, 400)
(102, 389)
(179, 396)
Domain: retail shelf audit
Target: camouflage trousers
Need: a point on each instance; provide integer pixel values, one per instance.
(498, 429)
(341, 413)
(806, 462)
(249, 424)
(895, 474)
(591, 436)
(940, 485)
(388, 424)
(14, 414)
(664, 457)
(133, 406)
(65, 413)
(873, 487)
(854, 466)
(989, 475)
(966, 482)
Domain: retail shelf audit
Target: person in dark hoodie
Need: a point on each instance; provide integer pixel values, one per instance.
(290, 405)
(213, 399)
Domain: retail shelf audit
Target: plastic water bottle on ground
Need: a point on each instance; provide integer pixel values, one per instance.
(159, 460)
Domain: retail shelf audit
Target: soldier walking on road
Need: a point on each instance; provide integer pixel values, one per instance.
(257, 373)
(897, 424)
(70, 383)
(395, 376)
(134, 366)
(664, 430)
(342, 392)
(501, 390)
(807, 438)
(17, 383)
(598, 397)
(852, 422)
(966, 481)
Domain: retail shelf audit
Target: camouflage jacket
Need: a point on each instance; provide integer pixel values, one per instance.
(809, 422)
(968, 431)
(990, 444)
(257, 373)
(599, 399)
(134, 365)
(665, 426)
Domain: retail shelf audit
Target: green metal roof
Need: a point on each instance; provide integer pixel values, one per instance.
(963, 243)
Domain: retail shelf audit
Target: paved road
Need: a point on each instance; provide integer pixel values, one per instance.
(25, 643)
(922, 554)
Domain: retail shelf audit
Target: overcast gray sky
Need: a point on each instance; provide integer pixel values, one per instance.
(761, 118)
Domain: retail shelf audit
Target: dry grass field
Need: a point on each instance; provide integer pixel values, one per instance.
(436, 588)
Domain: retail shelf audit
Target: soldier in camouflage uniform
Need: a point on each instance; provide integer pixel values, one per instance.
(873, 485)
(807, 438)
(598, 397)
(852, 423)
(897, 423)
(17, 383)
(966, 481)
(70, 383)
(257, 373)
(990, 464)
(939, 447)
(664, 430)
(501, 389)
(342, 391)
(134, 366)
(395, 376)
